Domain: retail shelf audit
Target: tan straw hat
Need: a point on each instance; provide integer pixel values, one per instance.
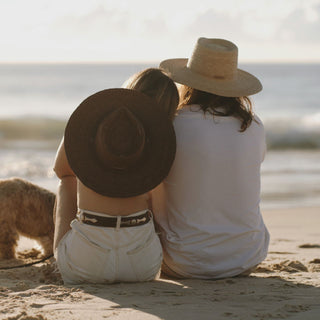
(120, 143)
(213, 67)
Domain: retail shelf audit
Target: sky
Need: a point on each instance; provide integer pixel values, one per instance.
(151, 31)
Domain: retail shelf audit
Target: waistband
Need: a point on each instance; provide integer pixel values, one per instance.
(103, 220)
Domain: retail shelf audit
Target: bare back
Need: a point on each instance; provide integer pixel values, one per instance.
(90, 200)
(87, 199)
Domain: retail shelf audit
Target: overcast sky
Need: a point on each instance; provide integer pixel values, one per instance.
(150, 31)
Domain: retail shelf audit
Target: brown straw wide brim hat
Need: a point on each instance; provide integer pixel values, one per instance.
(213, 67)
(123, 116)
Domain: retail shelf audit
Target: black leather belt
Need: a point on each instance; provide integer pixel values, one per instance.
(109, 222)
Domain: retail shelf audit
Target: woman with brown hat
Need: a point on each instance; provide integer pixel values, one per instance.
(208, 206)
(118, 145)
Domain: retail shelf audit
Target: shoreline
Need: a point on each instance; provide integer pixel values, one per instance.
(284, 286)
(288, 178)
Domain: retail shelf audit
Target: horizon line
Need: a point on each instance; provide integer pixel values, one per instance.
(151, 62)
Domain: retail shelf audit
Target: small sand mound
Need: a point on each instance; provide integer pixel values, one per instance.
(290, 266)
(262, 269)
(315, 261)
(24, 316)
(50, 274)
(314, 265)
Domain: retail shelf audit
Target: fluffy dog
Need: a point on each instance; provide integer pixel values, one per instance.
(25, 209)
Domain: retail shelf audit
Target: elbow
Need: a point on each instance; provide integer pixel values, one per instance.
(62, 174)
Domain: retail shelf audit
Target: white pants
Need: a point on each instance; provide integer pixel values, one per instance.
(103, 255)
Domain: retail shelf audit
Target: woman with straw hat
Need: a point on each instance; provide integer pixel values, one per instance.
(208, 206)
(118, 145)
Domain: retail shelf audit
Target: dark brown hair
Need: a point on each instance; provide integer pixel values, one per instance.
(156, 84)
(240, 108)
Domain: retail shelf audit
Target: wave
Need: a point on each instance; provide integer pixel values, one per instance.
(34, 129)
(37, 132)
(294, 133)
(292, 140)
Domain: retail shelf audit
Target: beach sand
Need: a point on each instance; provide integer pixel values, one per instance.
(285, 286)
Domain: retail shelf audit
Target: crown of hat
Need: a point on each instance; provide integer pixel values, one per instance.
(214, 58)
(120, 139)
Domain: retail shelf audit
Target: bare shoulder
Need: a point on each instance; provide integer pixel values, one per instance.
(61, 164)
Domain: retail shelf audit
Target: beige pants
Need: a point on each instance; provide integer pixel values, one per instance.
(105, 255)
(167, 272)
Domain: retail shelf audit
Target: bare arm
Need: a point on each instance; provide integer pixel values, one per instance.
(66, 201)
(61, 164)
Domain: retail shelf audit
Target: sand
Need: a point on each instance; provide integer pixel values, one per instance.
(285, 286)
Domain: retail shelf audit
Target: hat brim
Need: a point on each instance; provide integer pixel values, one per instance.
(244, 84)
(159, 150)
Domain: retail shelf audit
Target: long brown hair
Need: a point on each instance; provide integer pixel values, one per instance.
(240, 108)
(156, 84)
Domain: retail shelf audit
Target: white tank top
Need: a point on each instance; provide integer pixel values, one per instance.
(208, 206)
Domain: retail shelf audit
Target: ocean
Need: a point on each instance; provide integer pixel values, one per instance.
(37, 99)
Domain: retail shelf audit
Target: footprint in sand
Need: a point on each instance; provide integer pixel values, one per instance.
(309, 246)
(280, 252)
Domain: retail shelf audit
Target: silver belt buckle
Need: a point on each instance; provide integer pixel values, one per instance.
(93, 220)
(82, 218)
